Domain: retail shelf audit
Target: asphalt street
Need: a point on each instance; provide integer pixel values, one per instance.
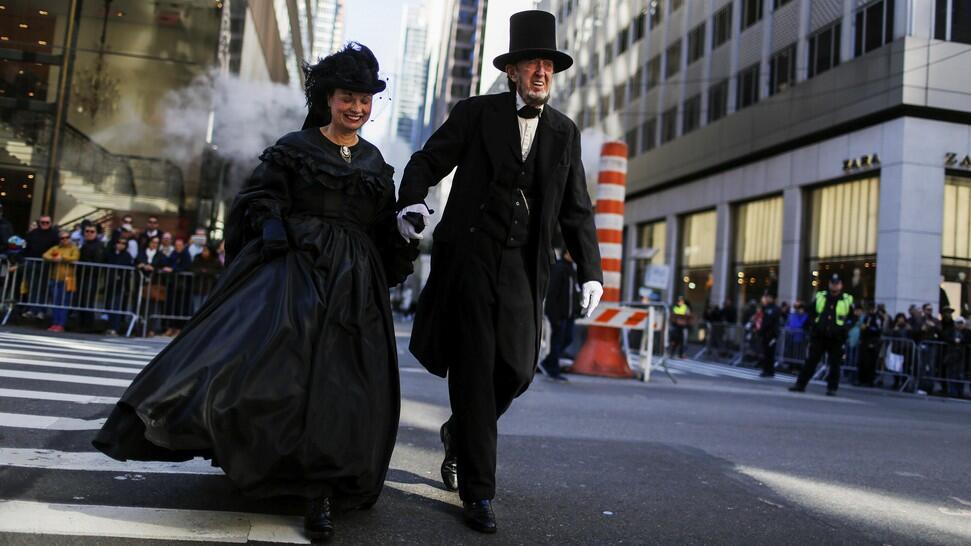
(721, 457)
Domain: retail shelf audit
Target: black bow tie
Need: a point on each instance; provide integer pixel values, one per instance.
(528, 112)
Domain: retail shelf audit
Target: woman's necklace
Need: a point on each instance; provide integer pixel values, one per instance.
(345, 150)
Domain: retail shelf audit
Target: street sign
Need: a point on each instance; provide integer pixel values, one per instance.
(657, 276)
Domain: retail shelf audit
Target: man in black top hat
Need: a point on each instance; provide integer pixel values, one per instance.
(519, 174)
(829, 319)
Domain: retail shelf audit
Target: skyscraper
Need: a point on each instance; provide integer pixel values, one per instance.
(412, 76)
(328, 27)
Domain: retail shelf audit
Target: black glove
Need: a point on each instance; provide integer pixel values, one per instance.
(274, 239)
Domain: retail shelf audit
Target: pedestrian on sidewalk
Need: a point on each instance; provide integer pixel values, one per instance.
(830, 321)
(287, 377)
(519, 173)
(562, 307)
(768, 333)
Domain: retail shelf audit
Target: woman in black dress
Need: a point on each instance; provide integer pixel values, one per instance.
(287, 376)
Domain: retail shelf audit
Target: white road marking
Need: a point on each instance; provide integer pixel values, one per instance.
(48, 422)
(55, 343)
(57, 396)
(5, 350)
(147, 523)
(95, 461)
(65, 378)
(70, 366)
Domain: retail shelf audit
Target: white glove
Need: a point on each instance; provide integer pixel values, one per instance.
(405, 228)
(590, 298)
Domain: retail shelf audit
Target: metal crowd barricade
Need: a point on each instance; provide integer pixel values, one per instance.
(92, 288)
(941, 368)
(899, 360)
(792, 348)
(171, 299)
(724, 342)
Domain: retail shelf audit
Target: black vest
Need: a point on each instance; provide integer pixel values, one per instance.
(513, 200)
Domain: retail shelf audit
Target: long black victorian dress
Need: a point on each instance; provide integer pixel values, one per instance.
(287, 377)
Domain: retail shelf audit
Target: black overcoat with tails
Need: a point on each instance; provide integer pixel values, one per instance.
(481, 139)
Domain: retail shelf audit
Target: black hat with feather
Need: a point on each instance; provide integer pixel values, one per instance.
(353, 68)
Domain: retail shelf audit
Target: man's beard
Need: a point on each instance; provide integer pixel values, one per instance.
(532, 98)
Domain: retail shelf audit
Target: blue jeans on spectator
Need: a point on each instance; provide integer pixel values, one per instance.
(60, 296)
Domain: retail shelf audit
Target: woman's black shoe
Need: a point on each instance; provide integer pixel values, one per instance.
(317, 522)
(450, 466)
(479, 516)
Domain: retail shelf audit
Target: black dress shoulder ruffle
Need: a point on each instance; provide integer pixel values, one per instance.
(287, 377)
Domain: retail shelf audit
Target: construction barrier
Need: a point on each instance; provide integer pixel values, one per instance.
(601, 353)
(642, 333)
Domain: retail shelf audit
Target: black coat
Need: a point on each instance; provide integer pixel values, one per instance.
(40, 241)
(481, 138)
(562, 297)
(92, 252)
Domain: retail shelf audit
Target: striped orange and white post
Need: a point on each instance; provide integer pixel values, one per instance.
(601, 354)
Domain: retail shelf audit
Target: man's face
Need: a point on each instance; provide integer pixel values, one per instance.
(121, 245)
(835, 286)
(44, 222)
(65, 238)
(928, 310)
(152, 223)
(179, 245)
(534, 79)
(90, 233)
(166, 240)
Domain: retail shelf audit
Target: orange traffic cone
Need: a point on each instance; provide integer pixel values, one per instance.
(601, 353)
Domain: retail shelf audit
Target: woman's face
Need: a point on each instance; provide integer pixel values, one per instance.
(349, 110)
(153, 243)
(205, 252)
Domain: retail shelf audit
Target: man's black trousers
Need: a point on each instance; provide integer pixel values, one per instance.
(493, 332)
(768, 354)
(833, 349)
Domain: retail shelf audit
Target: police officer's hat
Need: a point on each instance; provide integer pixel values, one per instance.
(835, 279)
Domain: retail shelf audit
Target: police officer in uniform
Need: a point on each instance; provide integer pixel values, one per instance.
(829, 318)
(768, 332)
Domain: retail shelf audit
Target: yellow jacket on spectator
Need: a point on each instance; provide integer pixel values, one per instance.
(63, 270)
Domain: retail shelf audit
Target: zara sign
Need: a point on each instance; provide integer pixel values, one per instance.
(957, 161)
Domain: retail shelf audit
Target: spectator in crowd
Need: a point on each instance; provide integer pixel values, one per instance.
(178, 293)
(901, 326)
(6, 231)
(151, 230)
(206, 269)
(166, 245)
(729, 314)
(151, 261)
(118, 287)
(872, 326)
(92, 252)
(830, 321)
(680, 320)
(958, 365)
(197, 242)
(749, 312)
(39, 240)
(221, 252)
(853, 339)
(768, 331)
(62, 281)
(784, 311)
(125, 229)
(562, 306)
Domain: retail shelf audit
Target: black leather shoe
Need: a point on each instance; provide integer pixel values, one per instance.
(797, 388)
(317, 522)
(450, 465)
(479, 516)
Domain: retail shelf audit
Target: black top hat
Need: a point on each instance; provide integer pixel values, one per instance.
(532, 35)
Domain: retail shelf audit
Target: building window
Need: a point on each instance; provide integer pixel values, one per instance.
(748, 87)
(721, 26)
(653, 72)
(696, 43)
(718, 101)
(843, 236)
(952, 20)
(623, 40)
(604, 106)
(676, 5)
(673, 55)
(651, 238)
(824, 50)
(620, 96)
(776, 4)
(649, 135)
(669, 125)
(631, 139)
(608, 52)
(698, 236)
(640, 22)
(782, 70)
(692, 115)
(751, 12)
(758, 248)
(873, 27)
(656, 8)
(636, 84)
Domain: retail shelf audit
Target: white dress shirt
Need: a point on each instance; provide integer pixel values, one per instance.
(527, 127)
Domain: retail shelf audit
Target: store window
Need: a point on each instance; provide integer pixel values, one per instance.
(651, 245)
(698, 235)
(757, 249)
(952, 20)
(956, 244)
(843, 236)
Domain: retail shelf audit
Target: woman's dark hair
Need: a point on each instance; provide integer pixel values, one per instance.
(354, 68)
